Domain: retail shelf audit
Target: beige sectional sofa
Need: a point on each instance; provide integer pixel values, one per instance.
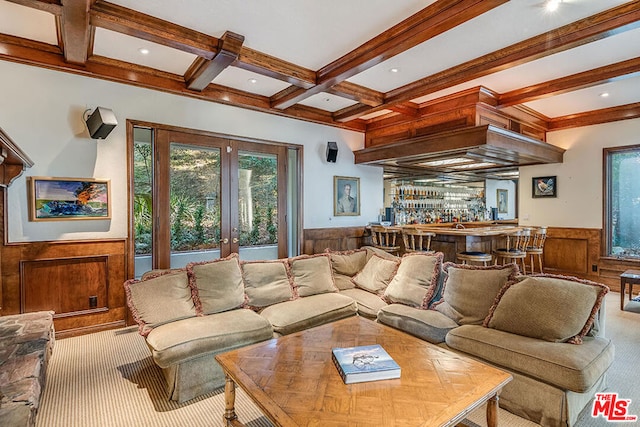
(548, 331)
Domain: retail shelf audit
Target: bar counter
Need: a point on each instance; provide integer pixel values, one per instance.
(452, 238)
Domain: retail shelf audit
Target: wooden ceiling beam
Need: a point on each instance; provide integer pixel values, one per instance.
(74, 30)
(597, 76)
(605, 115)
(407, 109)
(270, 66)
(135, 24)
(610, 22)
(204, 71)
(52, 6)
(355, 92)
(431, 21)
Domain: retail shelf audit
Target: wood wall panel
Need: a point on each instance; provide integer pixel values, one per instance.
(317, 240)
(61, 276)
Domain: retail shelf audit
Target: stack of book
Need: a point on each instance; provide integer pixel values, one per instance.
(364, 363)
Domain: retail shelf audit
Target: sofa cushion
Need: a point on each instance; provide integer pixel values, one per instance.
(159, 298)
(549, 307)
(312, 275)
(371, 251)
(568, 367)
(217, 284)
(376, 274)
(188, 339)
(304, 313)
(416, 282)
(266, 282)
(428, 325)
(367, 303)
(469, 291)
(348, 263)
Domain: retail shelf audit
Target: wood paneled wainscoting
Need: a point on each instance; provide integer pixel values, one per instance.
(82, 281)
(317, 240)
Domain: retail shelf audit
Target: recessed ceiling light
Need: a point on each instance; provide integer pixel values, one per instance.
(394, 70)
(604, 94)
(327, 100)
(253, 81)
(143, 51)
(552, 5)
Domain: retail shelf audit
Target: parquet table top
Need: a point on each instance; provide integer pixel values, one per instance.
(295, 383)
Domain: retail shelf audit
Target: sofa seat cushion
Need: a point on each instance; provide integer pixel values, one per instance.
(429, 325)
(293, 316)
(368, 303)
(179, 341)
(566, 366)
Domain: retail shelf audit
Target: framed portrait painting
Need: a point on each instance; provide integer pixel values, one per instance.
(55, 199)
(502, 196)
(346, 196)
(544, 186)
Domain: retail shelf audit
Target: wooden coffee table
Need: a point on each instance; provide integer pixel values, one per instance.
(293, 381)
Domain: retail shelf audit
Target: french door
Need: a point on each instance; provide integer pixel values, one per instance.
(197, 197)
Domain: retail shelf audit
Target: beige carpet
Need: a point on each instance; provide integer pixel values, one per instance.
(108, 379)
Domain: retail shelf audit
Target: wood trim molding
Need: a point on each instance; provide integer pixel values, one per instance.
(203, 71)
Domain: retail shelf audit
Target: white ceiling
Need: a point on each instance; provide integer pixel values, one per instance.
(312, 34)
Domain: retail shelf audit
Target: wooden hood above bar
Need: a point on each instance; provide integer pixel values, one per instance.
(469, 153)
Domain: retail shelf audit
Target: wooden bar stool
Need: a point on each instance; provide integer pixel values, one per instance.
(536, 247)
(386, 238)
(515, 250)
(468, 257)
(416, 240)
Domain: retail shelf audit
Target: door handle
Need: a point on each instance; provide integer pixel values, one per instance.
(224, 241)
(235, 240)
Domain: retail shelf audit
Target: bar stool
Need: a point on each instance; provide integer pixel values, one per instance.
(466, 257)
(416, 240)
(386, 238)
(516, 248)
(536, 247)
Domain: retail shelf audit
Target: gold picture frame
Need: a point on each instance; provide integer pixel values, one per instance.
(64, 199)
(346, 196)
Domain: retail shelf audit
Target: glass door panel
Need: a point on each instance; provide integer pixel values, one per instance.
(142, 199)
(194, 203)
(257, 191)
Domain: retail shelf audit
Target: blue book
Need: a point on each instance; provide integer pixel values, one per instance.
(364, 363)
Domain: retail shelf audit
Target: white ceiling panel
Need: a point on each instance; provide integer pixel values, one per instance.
(309, 33)
(22, 21)
(126, 48)
(248, 81)
(621, 92)
(328, 102)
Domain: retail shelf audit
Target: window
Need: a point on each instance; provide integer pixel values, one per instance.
(622, 201)
(197, 196)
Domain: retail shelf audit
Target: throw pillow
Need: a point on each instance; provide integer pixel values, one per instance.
(312, 275)
(469, 290)
(159, 298)
(548, 307)
(266, 282)
(217, 284)
(416, 282)
(348, 263)
(376, 274)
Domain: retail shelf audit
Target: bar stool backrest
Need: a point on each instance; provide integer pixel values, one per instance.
(538, 238)
(416, 240)
(384, 237)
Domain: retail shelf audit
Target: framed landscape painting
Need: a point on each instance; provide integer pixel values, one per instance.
(52, 199)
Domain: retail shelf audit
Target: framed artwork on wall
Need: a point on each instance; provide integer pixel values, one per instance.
(346, 196)
(544, 186)
(502, 196)
(55, 199)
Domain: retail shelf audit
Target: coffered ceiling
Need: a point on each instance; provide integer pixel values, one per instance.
(346, 63)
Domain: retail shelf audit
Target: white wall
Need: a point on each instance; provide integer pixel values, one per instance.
(579, 176)
(41, 111)
(491, 196)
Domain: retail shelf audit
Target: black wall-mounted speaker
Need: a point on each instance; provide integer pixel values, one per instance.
(101, 122)
(332, 151)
